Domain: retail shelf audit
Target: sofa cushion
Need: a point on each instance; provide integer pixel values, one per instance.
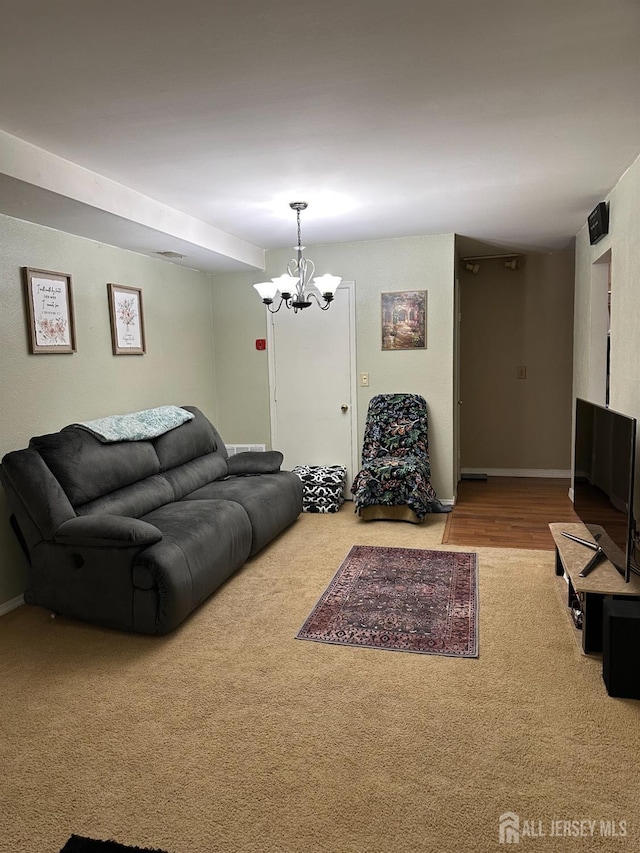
(203, 543)
(272, 501)
(191, 475)
(87, 469)
(134, 500)
(194, 438)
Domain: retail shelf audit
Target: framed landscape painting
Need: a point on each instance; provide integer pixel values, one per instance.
(127, 320)
(404, 320)
(49, 304)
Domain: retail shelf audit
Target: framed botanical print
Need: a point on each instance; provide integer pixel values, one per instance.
(127, 320)
(404, 320)
(49, 304)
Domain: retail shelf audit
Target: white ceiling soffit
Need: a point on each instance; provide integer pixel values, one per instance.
(505, 120)
(39, 187)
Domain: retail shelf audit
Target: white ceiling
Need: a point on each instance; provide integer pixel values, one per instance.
(503, 120)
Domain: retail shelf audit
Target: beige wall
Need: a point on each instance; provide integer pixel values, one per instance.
(623, 243)
(511, 319)
(42, 393)
(416, 263)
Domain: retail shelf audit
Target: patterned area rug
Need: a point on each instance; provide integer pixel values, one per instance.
(402, 599)
(79, 844)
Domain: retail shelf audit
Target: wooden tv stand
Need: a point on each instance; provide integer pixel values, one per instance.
(604, 581)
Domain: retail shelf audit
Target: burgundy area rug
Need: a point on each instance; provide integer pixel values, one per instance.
(402, 599)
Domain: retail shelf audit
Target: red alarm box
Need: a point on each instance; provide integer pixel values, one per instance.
(261, 344)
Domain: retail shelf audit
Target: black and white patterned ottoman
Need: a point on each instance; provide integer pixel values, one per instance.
(322, 487)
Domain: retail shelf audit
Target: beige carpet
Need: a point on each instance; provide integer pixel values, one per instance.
(230, 735)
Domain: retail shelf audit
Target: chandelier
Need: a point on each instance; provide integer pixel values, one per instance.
(295, 286)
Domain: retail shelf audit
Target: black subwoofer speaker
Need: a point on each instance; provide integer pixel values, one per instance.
(621, 647)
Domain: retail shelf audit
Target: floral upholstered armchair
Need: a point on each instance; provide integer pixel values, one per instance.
(395, 479)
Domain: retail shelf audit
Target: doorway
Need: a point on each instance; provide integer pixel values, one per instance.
(516, 363)
(600, 349)
(312, 384)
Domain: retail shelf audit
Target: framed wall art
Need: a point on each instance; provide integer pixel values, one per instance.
(49, 303)
(127, 320)
(404, 320)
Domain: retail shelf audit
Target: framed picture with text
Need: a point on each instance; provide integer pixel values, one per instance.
(127, 320)
(404, 320)
(49, 304)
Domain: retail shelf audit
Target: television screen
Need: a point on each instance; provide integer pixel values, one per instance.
(604, 459)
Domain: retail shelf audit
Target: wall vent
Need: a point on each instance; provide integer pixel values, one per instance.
(232, 449)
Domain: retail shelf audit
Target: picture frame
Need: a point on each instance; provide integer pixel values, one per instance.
(403, 316)
(127, 320)
(49, 307)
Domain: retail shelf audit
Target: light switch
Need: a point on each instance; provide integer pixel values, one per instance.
(364, 380)
(522, 372)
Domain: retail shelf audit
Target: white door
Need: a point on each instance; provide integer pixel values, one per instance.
(312, 377)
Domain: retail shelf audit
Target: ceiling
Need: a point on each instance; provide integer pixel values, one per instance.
(188, 127)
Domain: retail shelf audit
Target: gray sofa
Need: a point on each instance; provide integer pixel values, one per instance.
(134, 535)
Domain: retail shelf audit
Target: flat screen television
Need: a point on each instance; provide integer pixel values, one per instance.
(603, 477)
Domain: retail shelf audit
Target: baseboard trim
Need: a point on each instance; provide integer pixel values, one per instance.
(559, 473)
(8, 606)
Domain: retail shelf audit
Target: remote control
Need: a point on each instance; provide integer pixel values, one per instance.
(593, 545)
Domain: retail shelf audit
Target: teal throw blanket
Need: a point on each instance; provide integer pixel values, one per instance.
(137, 426)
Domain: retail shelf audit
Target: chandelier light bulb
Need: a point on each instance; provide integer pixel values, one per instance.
(267, 290)
(327, 284)
(286, 284)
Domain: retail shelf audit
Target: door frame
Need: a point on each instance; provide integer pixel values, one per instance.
(350, 286)
(457, 402)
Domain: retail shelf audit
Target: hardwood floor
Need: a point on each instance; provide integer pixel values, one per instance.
(508, 512)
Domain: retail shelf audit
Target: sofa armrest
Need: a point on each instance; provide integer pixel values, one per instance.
(113, 531)
(255, 462)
